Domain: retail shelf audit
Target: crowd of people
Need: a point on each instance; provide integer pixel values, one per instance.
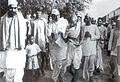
(59, 41)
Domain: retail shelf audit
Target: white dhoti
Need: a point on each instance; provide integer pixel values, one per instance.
(74, 55)
(99, 60)
(15, 63)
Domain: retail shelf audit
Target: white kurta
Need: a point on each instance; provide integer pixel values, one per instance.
(93, 30)
(39, 33)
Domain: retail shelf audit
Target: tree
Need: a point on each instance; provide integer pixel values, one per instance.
(47, 4)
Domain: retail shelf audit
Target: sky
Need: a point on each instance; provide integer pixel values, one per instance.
(100, 8)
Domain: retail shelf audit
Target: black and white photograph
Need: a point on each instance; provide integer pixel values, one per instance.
(59, 40)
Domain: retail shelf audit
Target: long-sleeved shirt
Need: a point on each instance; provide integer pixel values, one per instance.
(95, 34)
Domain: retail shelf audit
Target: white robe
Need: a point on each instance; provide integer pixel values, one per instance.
(12, 39)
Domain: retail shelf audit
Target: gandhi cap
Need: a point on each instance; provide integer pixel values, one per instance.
(55, 11)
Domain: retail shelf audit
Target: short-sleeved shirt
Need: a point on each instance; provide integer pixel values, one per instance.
(32, 49)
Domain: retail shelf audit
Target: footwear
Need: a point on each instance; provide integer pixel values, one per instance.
(60, 79)
(113, 76)
(91, 79)
(98, 70)
(1, 74)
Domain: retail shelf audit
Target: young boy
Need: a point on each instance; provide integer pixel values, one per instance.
(32, 49)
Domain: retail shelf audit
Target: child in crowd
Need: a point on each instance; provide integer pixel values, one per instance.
(32, 50)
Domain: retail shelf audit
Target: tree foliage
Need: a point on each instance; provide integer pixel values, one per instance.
(47, 5)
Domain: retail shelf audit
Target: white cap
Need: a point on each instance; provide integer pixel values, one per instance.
(13, 3)
(118, 18)
(79, 14)
(55, 11)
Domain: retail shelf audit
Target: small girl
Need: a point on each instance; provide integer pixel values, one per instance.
(32, 50)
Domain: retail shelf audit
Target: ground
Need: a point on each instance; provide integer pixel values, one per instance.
(104, 76)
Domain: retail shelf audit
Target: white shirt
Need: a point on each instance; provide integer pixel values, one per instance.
(32, 49)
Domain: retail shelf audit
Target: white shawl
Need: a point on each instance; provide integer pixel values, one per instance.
(12, 36)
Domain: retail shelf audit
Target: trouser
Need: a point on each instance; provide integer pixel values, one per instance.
(59, 69)
(89, 66)
(74, 72)
(118, 68)
(113, 64)
(41, 60)
(118, 55)
(14, 75)
(118, 59)
(35, 74)
(42, 63)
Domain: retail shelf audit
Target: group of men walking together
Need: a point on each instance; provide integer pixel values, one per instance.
(69, 41)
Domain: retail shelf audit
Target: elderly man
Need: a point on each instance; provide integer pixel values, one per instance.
(12, 39)
(57, 45)
(74, 53)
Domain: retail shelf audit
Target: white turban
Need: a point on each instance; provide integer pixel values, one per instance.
(13, 3)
